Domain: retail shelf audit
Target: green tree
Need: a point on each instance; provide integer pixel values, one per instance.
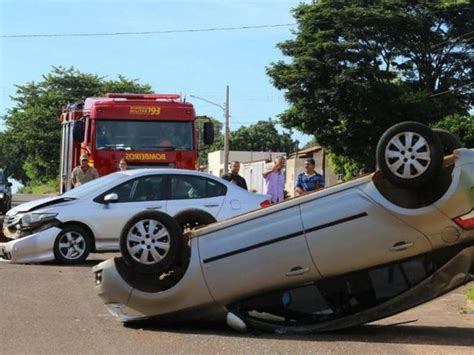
(30, 144)
(462, 126)
(357, 67)
(262, 136)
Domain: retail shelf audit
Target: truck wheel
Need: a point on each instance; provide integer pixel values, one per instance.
(72, 245)
(193, 218)
(448, 140)
(409, 154)
(151, 242)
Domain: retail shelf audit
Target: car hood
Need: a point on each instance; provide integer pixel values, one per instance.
(37, 204)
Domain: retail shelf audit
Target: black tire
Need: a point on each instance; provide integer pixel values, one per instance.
(193, 218)
(134, 245)
(72, 245)
(409, 154)
(448, 140)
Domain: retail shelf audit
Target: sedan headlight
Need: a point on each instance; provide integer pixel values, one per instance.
(30, 220)
(2, 195)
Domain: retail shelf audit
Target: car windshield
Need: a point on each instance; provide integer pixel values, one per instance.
(141, 135)
(95, 185)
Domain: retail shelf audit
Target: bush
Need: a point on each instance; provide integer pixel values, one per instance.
(50, 187)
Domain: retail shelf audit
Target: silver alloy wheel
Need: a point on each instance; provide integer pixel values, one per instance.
(408, 155)
(72, 245)
(148, 241)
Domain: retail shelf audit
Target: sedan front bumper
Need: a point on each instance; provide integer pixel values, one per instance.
(34, 248)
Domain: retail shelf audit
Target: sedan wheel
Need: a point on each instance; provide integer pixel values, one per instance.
(72, 245)
(148, 241)
(409, 154)
(151, 242)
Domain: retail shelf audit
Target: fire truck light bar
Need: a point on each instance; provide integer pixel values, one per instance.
(144, 96)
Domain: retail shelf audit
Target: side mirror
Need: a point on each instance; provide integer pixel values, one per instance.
(78, 131)
(208, 133)
(110, 198)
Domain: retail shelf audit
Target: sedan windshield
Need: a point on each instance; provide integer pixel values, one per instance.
(143, 135)
(95, 185)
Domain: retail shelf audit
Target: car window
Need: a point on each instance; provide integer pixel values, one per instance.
(191, 187)
(145, 188)
(337, 297)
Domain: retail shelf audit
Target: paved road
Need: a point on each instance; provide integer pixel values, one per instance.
(53, 309)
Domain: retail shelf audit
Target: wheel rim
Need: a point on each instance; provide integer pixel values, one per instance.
(148, 241)
(408, 155)
(189, 225)
(72, 245)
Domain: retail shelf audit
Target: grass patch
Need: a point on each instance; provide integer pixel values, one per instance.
(49, 187)
(470, 293)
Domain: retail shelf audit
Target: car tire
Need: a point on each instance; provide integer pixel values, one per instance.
(193, 218)
(72, 245)
(409, 154)
(151, 242)
(448, 140)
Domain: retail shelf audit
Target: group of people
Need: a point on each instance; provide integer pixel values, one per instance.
(307, 181)
(84, 173)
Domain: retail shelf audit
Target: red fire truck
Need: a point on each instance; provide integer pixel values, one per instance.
(148, 130)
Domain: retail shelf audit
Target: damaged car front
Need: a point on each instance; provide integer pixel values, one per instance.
(32, 229)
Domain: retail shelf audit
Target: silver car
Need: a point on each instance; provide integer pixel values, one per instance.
(90, 218)
(342, 256)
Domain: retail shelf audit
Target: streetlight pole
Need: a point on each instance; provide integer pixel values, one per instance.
(225, 108)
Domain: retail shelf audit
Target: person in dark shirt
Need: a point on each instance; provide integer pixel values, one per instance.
(309, 180)
(234, 177)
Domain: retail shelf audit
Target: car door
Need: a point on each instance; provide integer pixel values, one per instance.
(134, 196)
(250, 254)
(195, 192)
(346, 231)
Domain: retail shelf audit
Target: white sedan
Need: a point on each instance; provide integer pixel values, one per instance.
(90, 218)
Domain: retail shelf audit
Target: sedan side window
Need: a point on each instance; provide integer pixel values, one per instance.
(146, 188)
(191, 187)
(338, 297)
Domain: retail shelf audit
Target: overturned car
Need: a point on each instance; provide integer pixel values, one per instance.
(339, 257)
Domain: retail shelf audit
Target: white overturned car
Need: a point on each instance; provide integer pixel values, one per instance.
(90, 218)
(339, 257)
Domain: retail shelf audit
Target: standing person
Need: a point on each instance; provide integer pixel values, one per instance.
(309, 180)
(234, 177)
(275, 180)
(83, 173)
(123, 164)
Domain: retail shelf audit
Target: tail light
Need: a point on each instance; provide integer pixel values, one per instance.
(466, 221)
(265, 203)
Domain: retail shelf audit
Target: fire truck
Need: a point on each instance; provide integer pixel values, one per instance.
(148, 130)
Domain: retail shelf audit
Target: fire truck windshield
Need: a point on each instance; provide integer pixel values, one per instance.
(143, 135)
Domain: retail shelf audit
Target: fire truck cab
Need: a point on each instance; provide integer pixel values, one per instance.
(148, 130)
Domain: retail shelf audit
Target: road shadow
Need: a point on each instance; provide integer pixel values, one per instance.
(396, 333)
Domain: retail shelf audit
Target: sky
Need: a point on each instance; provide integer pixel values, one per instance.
(189, 63)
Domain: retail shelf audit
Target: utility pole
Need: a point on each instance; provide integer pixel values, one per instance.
(226, 131)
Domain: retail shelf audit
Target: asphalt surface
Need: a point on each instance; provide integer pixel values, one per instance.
(53, 309)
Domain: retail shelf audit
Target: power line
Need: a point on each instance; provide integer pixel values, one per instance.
(451, 90)
(102, 34)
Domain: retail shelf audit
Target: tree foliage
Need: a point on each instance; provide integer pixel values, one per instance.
(30, 144)
(262, 136)
(462, 126)
(357, 67)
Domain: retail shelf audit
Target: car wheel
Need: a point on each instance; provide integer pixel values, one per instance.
(151, 242)
(193, 218)
(409, 154)
(72, 245)
(448, 140)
